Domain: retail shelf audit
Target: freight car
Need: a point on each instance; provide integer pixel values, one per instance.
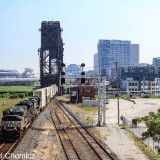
(19, 117)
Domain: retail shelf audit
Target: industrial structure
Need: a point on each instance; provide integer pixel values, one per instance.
(50, 53)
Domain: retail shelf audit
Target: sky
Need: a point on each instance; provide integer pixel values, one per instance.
(84, 22)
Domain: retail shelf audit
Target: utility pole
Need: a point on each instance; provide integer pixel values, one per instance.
(117, 82)
(104, 101)
(99, 105)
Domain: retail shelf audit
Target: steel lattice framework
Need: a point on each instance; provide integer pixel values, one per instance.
(51, 53)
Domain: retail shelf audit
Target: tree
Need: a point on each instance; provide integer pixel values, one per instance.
(152, 122)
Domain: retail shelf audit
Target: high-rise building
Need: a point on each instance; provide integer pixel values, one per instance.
(111, 51)
(96, 65)
(73, 69)
(156, 62)
(134, 54)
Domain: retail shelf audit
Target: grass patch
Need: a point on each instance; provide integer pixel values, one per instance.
(5, 89)
(6, 103)
(90, 121)
(79, 104)
(122, 126)
(86, 113)
(87, 108)
(152, 97)
(90, 109)
(147, 151)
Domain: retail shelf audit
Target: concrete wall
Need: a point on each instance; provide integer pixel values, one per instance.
(93, 103)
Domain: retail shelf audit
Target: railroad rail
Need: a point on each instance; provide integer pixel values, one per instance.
(6, 148)
(76, 140)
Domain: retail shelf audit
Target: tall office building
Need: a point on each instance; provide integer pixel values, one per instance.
(96, 65)
(111, 51)
(134, 54)
(156, 62)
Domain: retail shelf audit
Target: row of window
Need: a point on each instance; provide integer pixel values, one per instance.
(156, 89)
(133, 89)
(133, 84)
(148, 84)
(145, 84)
(153, 89)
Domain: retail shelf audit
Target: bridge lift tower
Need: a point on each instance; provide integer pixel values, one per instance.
(50, 53)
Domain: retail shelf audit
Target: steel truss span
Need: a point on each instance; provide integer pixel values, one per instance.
(51, 53)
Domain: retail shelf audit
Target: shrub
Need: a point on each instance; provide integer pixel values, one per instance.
(145, 96)
(21, 95)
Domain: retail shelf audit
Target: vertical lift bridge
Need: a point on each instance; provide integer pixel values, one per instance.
(50, 53)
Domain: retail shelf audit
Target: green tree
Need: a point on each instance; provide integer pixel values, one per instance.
(152, 122)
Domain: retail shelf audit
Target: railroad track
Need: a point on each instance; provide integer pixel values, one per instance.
(7, 148)
(76, 141)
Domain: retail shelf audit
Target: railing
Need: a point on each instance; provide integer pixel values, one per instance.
(137, 131)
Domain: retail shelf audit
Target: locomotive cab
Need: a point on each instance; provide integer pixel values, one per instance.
(11, 122)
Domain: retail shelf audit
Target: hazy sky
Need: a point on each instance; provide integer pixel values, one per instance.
(84, 22)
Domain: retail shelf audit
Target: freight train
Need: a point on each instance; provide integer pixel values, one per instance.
(19, 117)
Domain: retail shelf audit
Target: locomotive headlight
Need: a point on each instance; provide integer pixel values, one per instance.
(10, 124)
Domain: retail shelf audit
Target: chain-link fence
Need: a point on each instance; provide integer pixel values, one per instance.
(138, 132)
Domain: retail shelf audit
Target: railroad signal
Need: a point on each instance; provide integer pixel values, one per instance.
(82, 73)
(63, 65)
(83, 80)
(82, 65)
(62, 80)
(62, 73)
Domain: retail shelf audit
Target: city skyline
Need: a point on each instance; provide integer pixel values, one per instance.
(83, 23)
